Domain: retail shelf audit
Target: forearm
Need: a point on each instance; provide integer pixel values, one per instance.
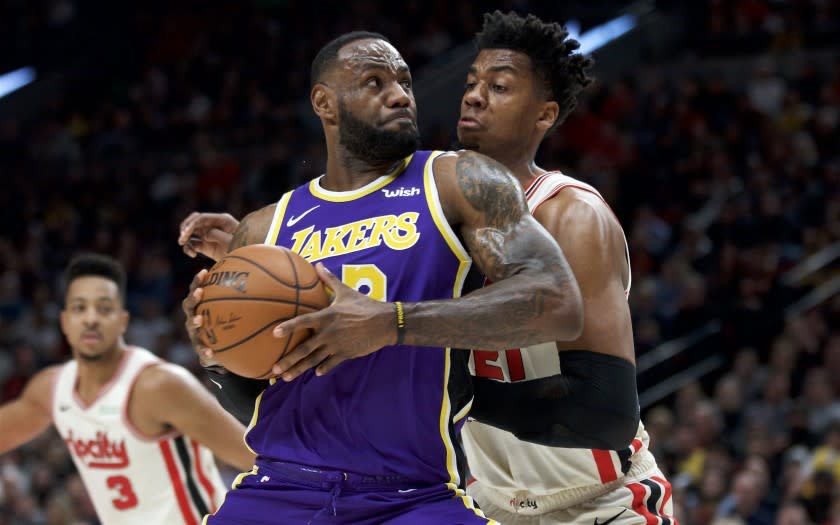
(593, 404)
(521, 310)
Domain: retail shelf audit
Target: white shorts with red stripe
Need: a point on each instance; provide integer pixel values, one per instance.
(643, 501)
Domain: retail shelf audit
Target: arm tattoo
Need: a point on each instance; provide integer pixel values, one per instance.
(496, 196)
(488, 189)
(240, 236)
(533, 298)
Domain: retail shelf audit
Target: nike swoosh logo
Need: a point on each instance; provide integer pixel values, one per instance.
(215, 383)
(405, 491)
(294, 220)
(609, 520)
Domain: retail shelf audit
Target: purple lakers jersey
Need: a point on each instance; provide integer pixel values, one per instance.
(395, 412)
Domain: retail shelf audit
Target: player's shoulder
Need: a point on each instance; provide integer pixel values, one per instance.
(575, 206)
(475, 175)
(462, 159)
(161, 380)
(254, 227)
(47, 376)
(40, 387)
(262, 215)
(568, 195)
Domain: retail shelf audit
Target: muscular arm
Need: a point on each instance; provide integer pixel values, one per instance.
(172, 397)
(26, 417)
(534, 296)
(594, 402)
(593, 242)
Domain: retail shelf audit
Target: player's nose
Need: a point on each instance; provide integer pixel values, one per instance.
(474, 97)
(398, 96)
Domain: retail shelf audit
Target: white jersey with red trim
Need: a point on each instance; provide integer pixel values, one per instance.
(133, 479)
(535, 478)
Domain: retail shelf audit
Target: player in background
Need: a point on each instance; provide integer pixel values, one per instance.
(140, 430)
(522, 85)
(376, 440)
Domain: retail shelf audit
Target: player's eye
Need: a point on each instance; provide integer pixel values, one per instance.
(470, 84)
(373, 82)
(406, 84)
(105, 310)
(498, 88)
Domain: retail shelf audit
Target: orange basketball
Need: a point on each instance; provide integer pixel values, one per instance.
(250, 291)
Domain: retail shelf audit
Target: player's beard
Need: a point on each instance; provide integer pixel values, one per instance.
(371, 144)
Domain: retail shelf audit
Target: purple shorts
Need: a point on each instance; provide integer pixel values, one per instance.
(294, 494)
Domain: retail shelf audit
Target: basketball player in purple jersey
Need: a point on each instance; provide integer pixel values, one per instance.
(393, 231)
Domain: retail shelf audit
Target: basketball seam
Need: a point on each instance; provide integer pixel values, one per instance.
(254, 334)
(260, 299)
(295, 285)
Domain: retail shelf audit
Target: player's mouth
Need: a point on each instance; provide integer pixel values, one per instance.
(91, 337)
(468, 123)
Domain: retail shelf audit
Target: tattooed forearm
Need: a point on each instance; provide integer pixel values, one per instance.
(240, 236)
(489, 189)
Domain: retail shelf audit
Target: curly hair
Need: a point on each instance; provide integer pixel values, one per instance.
(563, 72)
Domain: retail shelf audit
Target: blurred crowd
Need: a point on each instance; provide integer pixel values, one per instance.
(722, 188)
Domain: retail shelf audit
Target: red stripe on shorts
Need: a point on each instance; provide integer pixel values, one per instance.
(177, 484)
(606, 467)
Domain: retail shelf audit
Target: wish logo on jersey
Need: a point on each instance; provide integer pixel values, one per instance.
(401, 192)
(398, 232)
(99, 452)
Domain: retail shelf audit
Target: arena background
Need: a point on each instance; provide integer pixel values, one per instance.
(712, 131)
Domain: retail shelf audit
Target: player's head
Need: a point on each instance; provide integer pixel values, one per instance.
(524, 82)
(361, 89)
(94, 318)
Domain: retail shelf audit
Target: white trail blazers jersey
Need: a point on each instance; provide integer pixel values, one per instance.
(133, 479)
(521, 471)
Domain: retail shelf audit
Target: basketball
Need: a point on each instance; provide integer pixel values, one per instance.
(248, 292)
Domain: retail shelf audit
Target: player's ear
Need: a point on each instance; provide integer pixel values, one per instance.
(125, 317)
(324, 102)
(548, 115)
(62, 319)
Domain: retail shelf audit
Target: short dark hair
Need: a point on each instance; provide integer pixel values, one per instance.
(327, 55)
(97, 265)
(563, 73)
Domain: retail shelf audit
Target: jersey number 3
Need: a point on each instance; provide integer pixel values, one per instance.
(122, 485)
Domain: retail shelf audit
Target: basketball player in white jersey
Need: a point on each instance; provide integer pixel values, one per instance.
(140, 430)
(523, 83)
